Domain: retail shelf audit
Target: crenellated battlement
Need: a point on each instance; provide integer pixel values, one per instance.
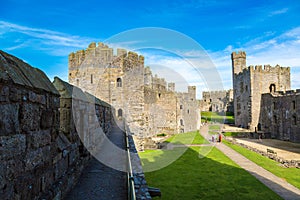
(286, 93)
(269, 68)
(102, 54)
(239, 54)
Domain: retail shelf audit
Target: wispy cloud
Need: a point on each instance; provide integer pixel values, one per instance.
(278, 12)
(44, 39)
(283, 49)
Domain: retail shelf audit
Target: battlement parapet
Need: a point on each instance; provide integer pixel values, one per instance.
(239, 54)
(103, 53)
(285, 93)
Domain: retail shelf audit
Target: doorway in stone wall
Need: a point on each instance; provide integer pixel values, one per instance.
(272, 88)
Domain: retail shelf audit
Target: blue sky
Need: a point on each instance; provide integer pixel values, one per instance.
(43, 33)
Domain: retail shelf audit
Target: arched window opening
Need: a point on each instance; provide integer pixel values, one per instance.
(294, 105)
(294, 120)
(259, 127)
(91, 78)
(275, 119)
(181, 122)
(120, 113)
(119, 82)
(272, 88)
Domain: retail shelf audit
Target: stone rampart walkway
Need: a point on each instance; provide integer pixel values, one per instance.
(99, 181)
(278, 185)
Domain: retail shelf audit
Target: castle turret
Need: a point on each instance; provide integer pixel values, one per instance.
(238, 61)
(192, 92)
(171, 87)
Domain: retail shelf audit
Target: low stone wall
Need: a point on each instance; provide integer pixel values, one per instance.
(284, 163)
(140, 184)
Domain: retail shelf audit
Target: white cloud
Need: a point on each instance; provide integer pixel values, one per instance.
(44, 39)
(267, 49)
(278, 12)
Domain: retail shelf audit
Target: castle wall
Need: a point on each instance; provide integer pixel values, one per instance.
(147, 103)
(118, 80)
(250, 83)
(242, 102)
(217, 101)
(41, 154)
(262, 79)
(279, 116)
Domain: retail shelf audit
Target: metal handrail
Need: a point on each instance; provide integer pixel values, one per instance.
(130, 179)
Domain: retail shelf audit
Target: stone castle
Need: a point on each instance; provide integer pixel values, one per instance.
(145, 104)
(263, 100)
(217, 101)
(47, 131)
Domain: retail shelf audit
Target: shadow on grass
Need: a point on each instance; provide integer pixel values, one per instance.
(214, 176)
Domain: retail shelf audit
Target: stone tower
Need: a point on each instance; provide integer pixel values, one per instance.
(249, 83)
(146, 104)
(238, 61)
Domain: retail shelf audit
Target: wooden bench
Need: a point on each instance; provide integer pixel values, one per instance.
(271, 151)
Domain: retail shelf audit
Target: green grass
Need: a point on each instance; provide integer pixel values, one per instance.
(232, 134)
(291, 175)
(187, 138)
(212, 177)
(214, 127)
(227, 118)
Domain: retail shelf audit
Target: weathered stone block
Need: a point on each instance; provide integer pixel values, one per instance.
(41, 99)
(30, 117)
(61, 168)
(47, 119)
(12, 145)
(14, 168)
(15, 95)
(4, 93)
(34, 158)
(32, 96)
(36, 139)
(9, 123)
(62, 142)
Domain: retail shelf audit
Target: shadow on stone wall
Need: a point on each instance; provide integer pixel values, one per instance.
(41, 152)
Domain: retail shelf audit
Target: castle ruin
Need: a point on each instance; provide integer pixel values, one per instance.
(249, 83)
(217, 101)
(145, 104)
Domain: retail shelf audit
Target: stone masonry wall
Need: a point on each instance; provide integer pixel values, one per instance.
(29, 137)
(41, 153)
(217, 101)
(280, 114)
(146, 103)
(249, 83)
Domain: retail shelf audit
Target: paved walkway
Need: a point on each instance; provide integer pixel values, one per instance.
(278, 185)
(291, 152)
(99, 181)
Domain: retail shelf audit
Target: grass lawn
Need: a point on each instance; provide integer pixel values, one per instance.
(187, 138)
(212, 177)
(231, 134)
(216, 117)
(291, 175)
(214, 127)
